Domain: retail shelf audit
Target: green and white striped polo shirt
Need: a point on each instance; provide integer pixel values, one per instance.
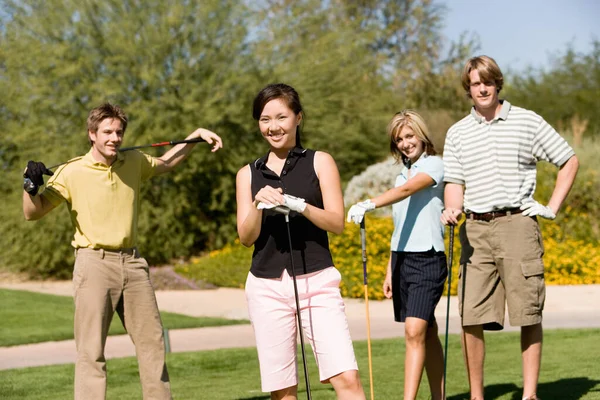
(496, 160)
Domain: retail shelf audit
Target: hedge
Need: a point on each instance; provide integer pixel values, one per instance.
(567, 261)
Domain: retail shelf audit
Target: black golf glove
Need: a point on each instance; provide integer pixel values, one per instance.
(34, 176)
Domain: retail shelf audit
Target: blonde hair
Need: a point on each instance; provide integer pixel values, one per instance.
(415, 122)
(488, 70)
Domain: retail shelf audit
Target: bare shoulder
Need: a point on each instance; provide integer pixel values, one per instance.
(243, 175)
(324, 164)
(323, 159)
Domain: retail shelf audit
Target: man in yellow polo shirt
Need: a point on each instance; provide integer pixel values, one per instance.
(102, 192)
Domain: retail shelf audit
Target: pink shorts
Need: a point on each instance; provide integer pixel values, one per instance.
(272, 310)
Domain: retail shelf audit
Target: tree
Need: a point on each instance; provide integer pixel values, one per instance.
(170, 66)
(569, 90)
(176, 66)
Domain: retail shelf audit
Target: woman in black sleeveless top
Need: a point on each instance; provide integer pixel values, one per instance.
(312, 179)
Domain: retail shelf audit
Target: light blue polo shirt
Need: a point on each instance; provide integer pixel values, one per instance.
(417, 225)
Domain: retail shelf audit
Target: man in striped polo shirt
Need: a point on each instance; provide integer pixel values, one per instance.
(490, 159)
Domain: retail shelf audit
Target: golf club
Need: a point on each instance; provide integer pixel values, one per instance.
(28, 184)
(363, 241)
(159, 144)
(450, 256)
(286, 212)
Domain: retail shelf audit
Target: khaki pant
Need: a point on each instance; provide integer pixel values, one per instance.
(501, 263)
(105, 282)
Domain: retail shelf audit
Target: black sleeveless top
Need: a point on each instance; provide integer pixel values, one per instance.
(310, 243)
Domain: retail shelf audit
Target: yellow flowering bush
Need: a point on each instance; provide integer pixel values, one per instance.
(346, 250)
(567, 261)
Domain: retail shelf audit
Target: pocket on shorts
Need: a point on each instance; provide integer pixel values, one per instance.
(533, 289)
(532, 268)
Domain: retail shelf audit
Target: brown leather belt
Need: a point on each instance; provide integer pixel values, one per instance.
(488, 216)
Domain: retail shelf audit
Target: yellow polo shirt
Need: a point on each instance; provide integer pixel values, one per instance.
(103, 200)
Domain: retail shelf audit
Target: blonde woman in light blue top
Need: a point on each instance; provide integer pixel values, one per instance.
(417, 268)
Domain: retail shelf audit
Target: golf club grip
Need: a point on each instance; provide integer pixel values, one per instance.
(173, 142)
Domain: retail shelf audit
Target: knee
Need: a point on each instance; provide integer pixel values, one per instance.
(347, 381)
(414, 335)
(289, 393)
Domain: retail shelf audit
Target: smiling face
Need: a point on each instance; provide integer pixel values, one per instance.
(278, 124)
(484, 94)
(107, 140)
(409, 144)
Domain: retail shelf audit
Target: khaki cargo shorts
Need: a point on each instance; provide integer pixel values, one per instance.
(501, 263)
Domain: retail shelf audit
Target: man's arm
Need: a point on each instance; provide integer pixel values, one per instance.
(564, 182)
(453, 203)
(178, 153)
(35, 207)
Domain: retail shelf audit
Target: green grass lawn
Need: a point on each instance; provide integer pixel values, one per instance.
(569, 371)
(28, 317)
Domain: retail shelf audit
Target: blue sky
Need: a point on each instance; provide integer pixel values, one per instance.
(522, 33)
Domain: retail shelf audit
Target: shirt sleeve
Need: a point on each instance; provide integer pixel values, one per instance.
(549, 146)
(434, 167)
(453, 169)
(148, 166)
(57, 189)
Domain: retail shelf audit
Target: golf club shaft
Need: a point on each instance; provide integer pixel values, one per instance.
(302, 348)
(363, 241)
(159, 144)
(450, 257)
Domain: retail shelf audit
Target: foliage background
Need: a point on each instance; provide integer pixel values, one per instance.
(572, 249)
(177, 66)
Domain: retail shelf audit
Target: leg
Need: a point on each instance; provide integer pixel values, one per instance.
(481, 296)
(97, 286)
(141, 318)
(415, 338)
(523, 272)
(421, 282)
(273, 317)
(473, 343)
(290, 393)
(326, 328)
(347, 386)
(531, 350)
(434, 362)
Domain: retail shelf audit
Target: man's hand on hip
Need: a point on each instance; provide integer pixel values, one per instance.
(534, 208)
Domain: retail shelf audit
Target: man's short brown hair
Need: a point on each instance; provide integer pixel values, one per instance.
(106, 110)
(489, 72)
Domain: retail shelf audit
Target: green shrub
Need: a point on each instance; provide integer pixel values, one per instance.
(227, 267)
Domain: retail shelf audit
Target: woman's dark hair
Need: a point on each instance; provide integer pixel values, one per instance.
(278, 91)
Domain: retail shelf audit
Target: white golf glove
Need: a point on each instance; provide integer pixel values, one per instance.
(357, 211)
(294, 203)
(534, 208)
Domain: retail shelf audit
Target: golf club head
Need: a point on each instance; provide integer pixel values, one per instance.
(281, 210)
